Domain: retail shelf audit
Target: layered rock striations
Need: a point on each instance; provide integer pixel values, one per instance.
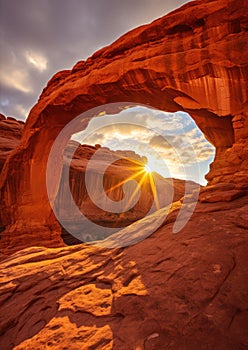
(173, 291)
(10, 135)
(193, 59)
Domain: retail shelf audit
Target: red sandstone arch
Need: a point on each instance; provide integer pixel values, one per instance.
(194, 59)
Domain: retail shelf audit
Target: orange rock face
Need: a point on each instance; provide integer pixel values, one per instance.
(194, 60)
(10, 136)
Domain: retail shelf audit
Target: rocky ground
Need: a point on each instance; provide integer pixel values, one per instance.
(170, 291)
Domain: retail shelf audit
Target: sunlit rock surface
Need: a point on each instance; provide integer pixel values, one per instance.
(171, 291)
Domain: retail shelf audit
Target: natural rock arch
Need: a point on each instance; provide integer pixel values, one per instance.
(194, 59)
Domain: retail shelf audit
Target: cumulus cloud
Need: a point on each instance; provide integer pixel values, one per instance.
(189, 150)
(174, 152)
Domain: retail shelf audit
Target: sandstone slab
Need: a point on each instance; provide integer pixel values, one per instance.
(179, 291)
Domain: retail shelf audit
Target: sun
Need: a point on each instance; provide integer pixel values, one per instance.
(147, 169)
(143, 172)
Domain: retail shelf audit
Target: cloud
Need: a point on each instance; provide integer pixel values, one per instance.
(174, 152)
(135, 126)
(184, 148)
(21, 110)
(16, 79)
(39, 38)
(160, 142)
(172, 123)
(39, 61)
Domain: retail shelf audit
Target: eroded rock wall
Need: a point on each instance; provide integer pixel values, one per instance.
(10, 135)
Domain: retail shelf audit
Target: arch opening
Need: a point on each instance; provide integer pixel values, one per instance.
(144, 129)
(153, 147)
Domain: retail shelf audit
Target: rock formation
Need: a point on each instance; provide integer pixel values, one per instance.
(193, 59)
(119, 169)
(175, 292)
(10, 136)
(123, 165)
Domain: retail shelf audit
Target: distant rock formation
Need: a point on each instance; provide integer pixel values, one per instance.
(10, 136)
(124, 165)
(193, 59)
(119, 170)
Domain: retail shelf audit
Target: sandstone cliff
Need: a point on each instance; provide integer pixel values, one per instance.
(10, 136)
(124, 165)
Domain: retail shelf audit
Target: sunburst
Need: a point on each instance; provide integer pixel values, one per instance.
(147, 169)
(142, 173)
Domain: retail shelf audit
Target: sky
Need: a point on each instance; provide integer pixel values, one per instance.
(39, 38)
(172, 143)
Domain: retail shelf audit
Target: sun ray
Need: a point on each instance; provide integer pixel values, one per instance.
(125, 180)
(147, 168)
(141, 167)
(136, 190)
(154, 191)
(141, 164)
(147, 174)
